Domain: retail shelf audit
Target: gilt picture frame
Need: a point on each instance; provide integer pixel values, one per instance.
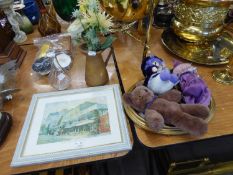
(72, 124)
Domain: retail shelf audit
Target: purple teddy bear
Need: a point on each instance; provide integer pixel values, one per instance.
(194, 90)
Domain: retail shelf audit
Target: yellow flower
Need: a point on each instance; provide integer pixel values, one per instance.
(85, 5)
(105, 20)
(100, 19)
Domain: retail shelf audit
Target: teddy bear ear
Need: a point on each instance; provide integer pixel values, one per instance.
(140, 83)
(127, 98)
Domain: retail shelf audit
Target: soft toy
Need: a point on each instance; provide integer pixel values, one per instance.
(159, 79)
(194, 89)
(165, 108)
(151, 65)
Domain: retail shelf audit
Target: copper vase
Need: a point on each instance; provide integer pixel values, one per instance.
(96, 73)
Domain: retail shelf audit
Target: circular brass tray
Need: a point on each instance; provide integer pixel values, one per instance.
(167, 130)
(210, 3)
(197, 53)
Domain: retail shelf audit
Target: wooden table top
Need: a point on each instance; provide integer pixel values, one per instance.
(30, 83)
(129, 56)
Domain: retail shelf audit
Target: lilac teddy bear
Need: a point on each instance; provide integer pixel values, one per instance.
(158, 78)
(194, 90)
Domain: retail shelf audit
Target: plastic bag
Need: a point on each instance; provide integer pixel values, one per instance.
(59, 77)
(58, 45)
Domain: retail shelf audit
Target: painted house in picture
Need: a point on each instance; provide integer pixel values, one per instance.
(86, 119)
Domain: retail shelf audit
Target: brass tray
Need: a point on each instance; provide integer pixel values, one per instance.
(167, 130)
(197, 53)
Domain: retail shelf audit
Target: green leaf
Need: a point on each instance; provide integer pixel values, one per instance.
(92, 40)
(108, 42)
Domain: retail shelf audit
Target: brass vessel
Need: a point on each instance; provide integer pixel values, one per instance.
(127, 11)
(209, 53)
(130, 11)
(200, 20)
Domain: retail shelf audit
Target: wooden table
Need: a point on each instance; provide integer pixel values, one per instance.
(129, 56)
(30, 83)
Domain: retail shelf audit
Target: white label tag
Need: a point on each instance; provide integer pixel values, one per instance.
(78, 144)
(91, 53)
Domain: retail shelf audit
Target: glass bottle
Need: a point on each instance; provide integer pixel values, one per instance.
(48, 23)
(50, 9)
(59, 77)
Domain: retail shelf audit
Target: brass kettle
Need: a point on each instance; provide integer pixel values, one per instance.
(127, 10)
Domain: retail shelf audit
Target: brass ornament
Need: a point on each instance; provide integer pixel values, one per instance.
(126, 10)
(167, 130)
(224, 76)
(197, 23)
(210, 3)
(197, 53)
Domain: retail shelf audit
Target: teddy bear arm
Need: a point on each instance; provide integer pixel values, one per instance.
(128, 99)
(193, 125)
(154, 120)
(172, 95)
(196, 110)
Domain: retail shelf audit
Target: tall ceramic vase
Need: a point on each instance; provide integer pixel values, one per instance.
(96, 73)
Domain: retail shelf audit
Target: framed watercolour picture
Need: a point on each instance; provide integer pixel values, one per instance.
(72, 124)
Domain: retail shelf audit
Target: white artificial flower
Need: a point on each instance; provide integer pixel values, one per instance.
(75, 29)
(101, 20)
(76, 14)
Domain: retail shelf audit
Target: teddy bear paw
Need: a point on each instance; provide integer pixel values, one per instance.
(201, 130)
(154, 120)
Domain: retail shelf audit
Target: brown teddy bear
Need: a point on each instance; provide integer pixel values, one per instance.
(165, 108)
